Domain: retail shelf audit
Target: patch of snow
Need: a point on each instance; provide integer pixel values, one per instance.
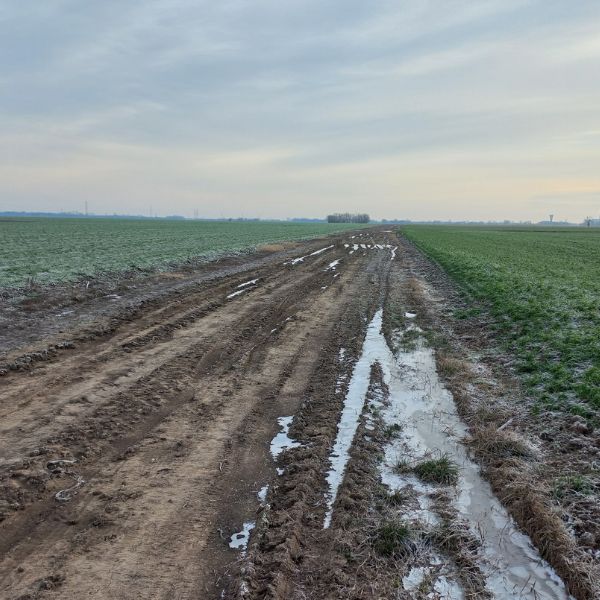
(234, 294)
(410, 315)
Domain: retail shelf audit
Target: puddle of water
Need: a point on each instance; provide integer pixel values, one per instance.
(282, 440)
(241, 538)
(430, 425)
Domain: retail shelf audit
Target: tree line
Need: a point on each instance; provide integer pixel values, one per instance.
(348, 218)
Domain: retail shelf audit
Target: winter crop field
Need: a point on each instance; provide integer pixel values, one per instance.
(542, 289)
(50, 250)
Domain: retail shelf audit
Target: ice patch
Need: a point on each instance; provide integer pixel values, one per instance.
(262, 493)
(282, 441)
(321, 250)
(251, 282)
(430, 424)
(241, 538)
(415, 578)
(295, 261)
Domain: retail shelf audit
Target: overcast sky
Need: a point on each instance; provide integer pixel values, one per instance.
(420, 109)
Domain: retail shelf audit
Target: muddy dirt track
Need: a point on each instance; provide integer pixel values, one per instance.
(137, 448)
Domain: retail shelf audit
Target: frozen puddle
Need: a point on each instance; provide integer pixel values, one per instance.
(240, 539)
(247, 283)
(282, 440)
(332, 265)
(262, 493)
(431, 427)
(300, 259)
(353, 408)
(243, 287)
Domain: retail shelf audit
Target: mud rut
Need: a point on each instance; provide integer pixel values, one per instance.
(156, 438)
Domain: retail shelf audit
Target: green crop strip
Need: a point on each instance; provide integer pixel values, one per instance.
(542, 289)
(52, 250)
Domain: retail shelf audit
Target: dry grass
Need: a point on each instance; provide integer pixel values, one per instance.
(273, 247)
(493, 445)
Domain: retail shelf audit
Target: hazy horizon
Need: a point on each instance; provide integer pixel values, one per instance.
(417, 110)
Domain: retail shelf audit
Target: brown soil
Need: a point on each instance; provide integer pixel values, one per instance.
(150, 415)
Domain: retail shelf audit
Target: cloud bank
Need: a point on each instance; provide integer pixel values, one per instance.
(416, 109)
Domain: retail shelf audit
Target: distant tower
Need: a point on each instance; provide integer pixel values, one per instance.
(551, 218)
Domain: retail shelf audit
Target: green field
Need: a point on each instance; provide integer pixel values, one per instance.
(542, 288)
(51, 250)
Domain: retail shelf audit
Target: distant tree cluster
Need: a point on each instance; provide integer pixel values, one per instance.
(348, 218)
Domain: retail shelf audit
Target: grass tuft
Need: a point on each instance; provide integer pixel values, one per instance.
(437, 470)
(393, 538)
